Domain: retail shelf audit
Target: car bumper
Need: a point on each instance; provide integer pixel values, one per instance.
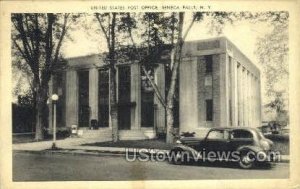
(273, 156)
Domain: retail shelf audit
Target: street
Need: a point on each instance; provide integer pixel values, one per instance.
(67, 167)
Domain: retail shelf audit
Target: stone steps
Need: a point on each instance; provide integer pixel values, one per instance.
(99, 133)
(107, 134)
(131, 135)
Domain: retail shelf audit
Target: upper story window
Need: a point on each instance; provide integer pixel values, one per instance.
(208, 64)
(209, 109)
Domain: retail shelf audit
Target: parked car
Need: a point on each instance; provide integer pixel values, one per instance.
(244, 145)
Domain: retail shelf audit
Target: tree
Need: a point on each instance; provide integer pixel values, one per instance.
(37, 40)
(157, 30)
(278, 105)
(108, 23)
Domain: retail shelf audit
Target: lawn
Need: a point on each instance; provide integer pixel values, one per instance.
(147, 144)
(281, 143)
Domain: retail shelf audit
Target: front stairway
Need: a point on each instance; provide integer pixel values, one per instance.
(131, 135)
(106, 133)
(103, 133)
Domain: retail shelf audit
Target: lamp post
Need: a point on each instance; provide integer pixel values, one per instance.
(54, 99)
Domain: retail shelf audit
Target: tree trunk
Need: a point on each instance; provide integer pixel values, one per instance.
(170, 123)
(171, 93)
(41, 117)
(113, 105)
(113, 85)
(38, 124)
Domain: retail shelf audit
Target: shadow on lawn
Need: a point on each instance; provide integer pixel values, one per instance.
(147, 144)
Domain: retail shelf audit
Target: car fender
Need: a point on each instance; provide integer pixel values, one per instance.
(255, 149)
(184, 148)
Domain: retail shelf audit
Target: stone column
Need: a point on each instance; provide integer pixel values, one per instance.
(234, 91)
(160, 110)
(250, 100)
(71, 98)
(188, 94)
(259, 100)
(93, 93)
(253, 102)
(223, 87)
(247, 98)
(244, 75)
(135, 96)
(256, 102)
(240, 94)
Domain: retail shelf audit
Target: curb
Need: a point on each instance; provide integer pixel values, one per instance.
(284, 158)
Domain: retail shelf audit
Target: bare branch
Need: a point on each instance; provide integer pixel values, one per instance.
(22, 33)
(29, 33)
(170, 96)
(156, 90)
(22, 53)
(103, 30)
(63, 33)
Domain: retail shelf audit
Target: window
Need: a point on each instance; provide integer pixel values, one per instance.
(124, 102)
(124, 84)
(83, 90)
(216, 135)
(147, 99)
(208, 64)
(241, 134)
(209, 110)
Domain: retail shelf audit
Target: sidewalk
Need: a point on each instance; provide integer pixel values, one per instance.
(64, 143)
(74, 146)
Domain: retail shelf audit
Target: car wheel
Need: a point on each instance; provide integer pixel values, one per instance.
(177, 157)
(247, 160)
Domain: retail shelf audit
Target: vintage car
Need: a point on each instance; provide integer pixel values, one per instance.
(246, 146)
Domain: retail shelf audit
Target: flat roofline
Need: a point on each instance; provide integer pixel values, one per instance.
(84, 56)
(226, 40)
(220, 38)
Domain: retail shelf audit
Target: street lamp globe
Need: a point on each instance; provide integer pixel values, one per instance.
(54, 97)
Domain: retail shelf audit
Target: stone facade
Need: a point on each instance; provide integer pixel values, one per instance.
(231, 84)
(218, 86)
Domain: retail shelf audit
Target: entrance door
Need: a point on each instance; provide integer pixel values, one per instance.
(124, 103)
(147, 109)
(84, 109)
